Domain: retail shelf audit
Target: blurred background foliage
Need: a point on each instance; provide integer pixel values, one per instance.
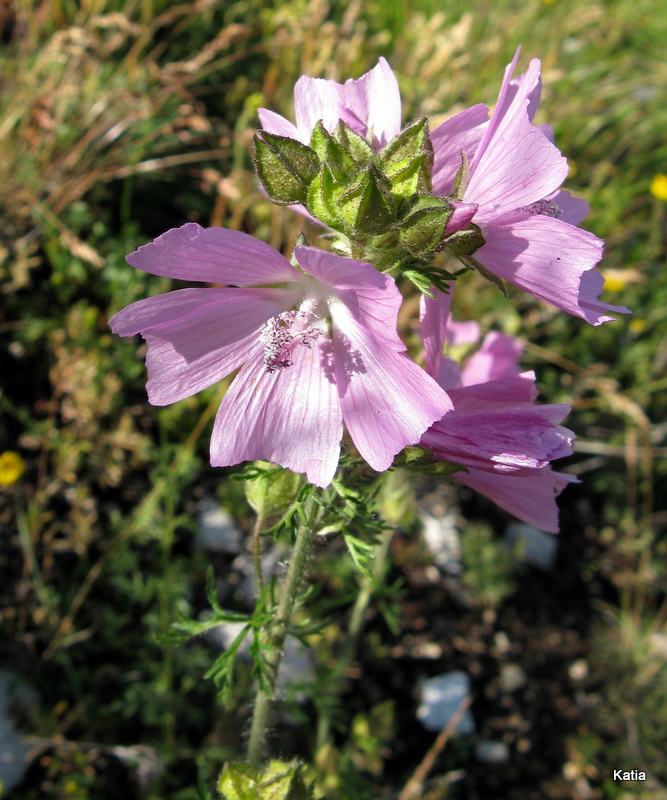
(120, 119)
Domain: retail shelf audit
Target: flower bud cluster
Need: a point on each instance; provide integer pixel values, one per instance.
(381, 202)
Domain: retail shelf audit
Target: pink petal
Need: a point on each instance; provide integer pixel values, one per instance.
(315, 99)
(533, 95)
(274, 123)
(529, 496)
(515, 164)
(433, 318)
(371, 296)
(506, 96)
(496, 358)
(371, 105)
(448, 375)
(291, 416)
(495, 394)
(462, 216)
(196, 337)
(213, 255)
(460, 333)
(550, 259)
(572, 209)
(462, 132)
(591, 286)
(387, 400)
(504, 440)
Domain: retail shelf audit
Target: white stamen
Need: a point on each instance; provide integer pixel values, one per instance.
(281, 334)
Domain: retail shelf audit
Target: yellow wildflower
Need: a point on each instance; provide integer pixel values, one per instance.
(12, 466)
(659, 187)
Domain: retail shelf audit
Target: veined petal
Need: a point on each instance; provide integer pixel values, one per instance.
(291, 416)
(550, 259)
(506, 96)
(533, 95)
(387, 400)
(371, 296)
(515, 163)
(522, 437)
(196, 337)
(496, 394)
(315, 99)
(371, 105)
(520, 166)
(433, 319)
(529, 496)
(463, 132)
(213, 255)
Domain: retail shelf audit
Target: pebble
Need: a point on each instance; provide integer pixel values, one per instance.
(512, 677)
(217, 530)
(441, 697)
(442, 539)
(14, 747)
(532, 545)
(490, 752)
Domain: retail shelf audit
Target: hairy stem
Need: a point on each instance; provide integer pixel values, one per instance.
(275, 636)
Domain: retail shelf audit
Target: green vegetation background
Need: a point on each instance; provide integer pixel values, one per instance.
(120, 119)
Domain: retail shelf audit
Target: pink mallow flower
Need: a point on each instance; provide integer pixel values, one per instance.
(370, 106)
(496, 430)
(316, 347)
(512, 194)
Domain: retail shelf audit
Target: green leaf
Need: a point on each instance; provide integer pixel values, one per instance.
(282, 781)
(361, 551)
(285, 167)
(461, 180)
(330, 150)
(422, 460)
(239, 781)
(367, 206)
(473, 263)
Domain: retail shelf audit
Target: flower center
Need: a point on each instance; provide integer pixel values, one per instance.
(283, 333)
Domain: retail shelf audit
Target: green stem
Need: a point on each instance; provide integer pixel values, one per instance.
(275, 637)
(256, 551)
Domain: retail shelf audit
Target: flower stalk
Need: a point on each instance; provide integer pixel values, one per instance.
(277, 632)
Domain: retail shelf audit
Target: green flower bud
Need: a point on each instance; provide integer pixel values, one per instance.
(355, 144)
(408, 160)
(330, 150)
(285, 167)
(465, 243)
(422, 230)
(367, 207)
(323, 196)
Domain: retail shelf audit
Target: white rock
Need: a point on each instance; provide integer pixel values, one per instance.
(441, 698)
(490, 752)
(534, 546)
(217, 530)
(442, 539)
(512, 677)
(14, 748)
